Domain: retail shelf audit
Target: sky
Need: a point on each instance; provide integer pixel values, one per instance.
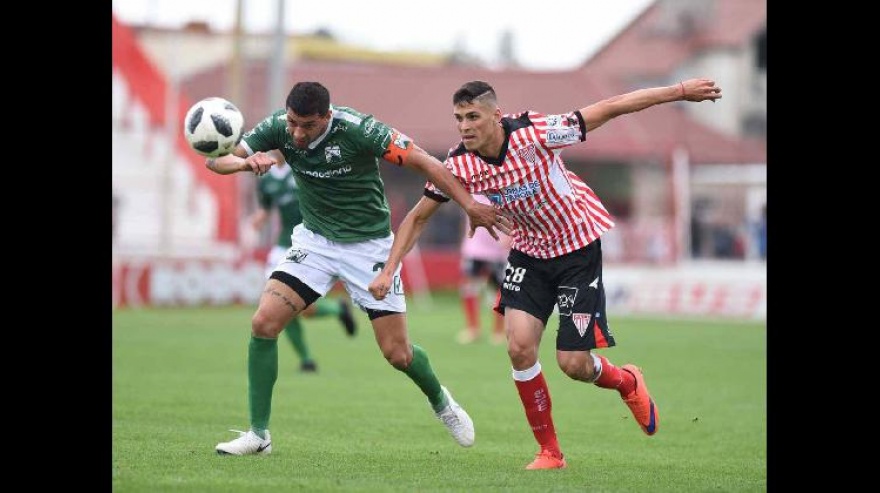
(554, 36)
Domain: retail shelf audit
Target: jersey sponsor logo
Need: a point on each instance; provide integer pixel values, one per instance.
(581, 321)
(563, 136)
(296, 255)
(330, 173)
(332, 154)
(565, 299)
(495, 197)
(522, 192)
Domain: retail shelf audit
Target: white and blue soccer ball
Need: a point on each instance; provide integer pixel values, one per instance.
(213, 127)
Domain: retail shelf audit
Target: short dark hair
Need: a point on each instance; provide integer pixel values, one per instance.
(309, 98)
(474, 90)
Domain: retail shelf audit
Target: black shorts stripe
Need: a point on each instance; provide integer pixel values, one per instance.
(308, 294)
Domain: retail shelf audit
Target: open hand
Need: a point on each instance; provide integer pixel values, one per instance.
(700, 90)
(486, 216)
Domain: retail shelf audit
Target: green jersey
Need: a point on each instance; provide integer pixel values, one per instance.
(341, 195)
(278, 188)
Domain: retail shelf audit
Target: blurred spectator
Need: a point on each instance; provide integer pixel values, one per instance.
(115, 212)
(482, 264)
(761, 233)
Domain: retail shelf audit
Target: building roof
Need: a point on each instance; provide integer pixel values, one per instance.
(669, 32)
(418, 101)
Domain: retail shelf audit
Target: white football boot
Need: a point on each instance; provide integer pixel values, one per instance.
(457, 421)
(247, 443)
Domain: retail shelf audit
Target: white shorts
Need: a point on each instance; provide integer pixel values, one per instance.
(275, 255)
(319, 263)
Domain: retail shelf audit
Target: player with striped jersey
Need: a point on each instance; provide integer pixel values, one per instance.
(345, 236)
(556, 254)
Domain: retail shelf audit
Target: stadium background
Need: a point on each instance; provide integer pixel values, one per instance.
(686, 183)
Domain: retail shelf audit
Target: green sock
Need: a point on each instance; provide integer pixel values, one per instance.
(262, 373)
(420, 371)
(294, 333)
(327, 306)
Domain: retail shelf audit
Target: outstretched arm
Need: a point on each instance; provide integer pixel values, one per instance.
(406, 236)
(239, 160)
(696, 90)
(479, 214)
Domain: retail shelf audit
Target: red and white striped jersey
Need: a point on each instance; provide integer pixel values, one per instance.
(554, 212)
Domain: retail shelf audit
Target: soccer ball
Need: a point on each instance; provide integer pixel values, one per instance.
(213, 127)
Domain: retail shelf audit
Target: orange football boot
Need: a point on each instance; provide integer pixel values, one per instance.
(640, 403)
(547, 460)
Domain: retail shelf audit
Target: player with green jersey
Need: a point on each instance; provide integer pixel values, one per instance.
(345, 236)
(277, 190)
(341, 194)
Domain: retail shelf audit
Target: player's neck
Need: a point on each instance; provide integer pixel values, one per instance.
(494, 143)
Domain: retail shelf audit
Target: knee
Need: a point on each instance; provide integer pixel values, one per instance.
(398, 356)
(577, 367)
(263, 325)
(521, 355)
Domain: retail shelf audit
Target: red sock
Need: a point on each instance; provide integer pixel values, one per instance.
(471, 310)
(536, 400)
(613, 377)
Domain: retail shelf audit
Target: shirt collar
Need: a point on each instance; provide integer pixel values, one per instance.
(324, 135)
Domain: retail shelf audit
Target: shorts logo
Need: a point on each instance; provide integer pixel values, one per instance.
(581, 321)
(397, 285)
(566, 297)
(296, 255)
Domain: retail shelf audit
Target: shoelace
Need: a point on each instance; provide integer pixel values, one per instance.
(450, 418)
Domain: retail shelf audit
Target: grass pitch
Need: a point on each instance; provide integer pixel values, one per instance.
(180, 382)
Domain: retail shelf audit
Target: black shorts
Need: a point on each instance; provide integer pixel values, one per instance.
(493, 271)
(573, 282)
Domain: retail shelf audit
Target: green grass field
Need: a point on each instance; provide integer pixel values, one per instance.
(180, 382)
